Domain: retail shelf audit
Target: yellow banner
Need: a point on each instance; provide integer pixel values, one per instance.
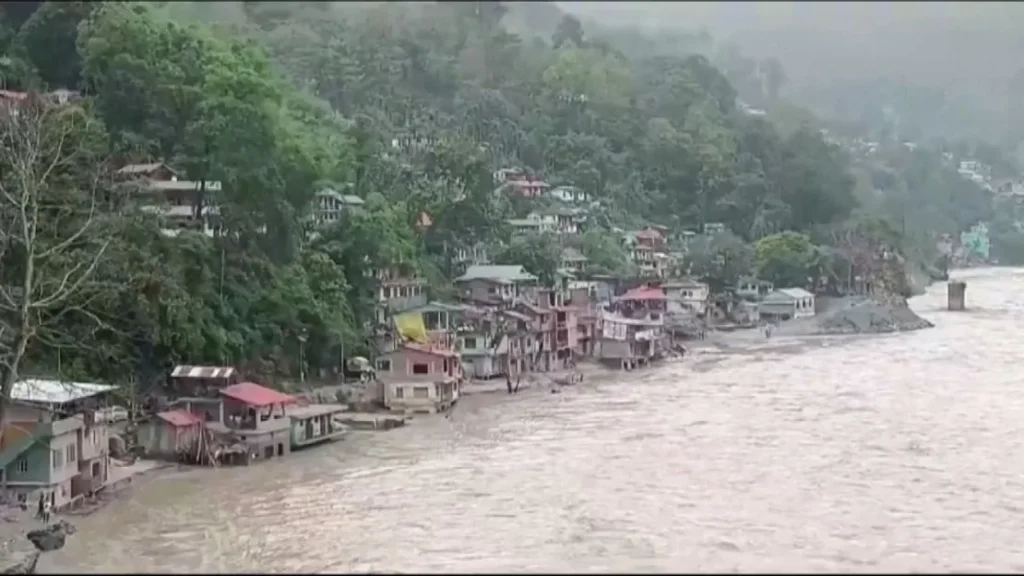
(410, 327)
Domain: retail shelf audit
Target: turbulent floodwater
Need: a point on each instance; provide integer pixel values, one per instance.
(890, 453)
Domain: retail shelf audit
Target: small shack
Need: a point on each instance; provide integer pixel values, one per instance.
(173, 435)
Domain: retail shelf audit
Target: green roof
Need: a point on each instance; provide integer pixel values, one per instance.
(497, 273)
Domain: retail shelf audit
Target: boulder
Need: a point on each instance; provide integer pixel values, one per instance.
(52, 537)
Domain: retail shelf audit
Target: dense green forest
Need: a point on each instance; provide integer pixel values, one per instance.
(277, 100)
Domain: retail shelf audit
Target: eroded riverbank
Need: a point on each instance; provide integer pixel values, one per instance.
(878, 453)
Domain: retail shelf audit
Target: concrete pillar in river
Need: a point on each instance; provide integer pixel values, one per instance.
(955, 295)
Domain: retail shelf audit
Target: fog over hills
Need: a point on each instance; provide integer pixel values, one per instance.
(961, 56)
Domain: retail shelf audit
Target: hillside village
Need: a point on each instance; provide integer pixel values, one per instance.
(403, 267)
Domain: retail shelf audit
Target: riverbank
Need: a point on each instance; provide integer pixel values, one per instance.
(19, 555)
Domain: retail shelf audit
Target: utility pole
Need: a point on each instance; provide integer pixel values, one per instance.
(342, 336)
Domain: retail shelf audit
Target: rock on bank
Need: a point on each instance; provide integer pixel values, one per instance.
(19, 552)
(868, 316)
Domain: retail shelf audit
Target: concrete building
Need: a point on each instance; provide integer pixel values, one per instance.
(787, 304)
(573, 260)
(329, 205)
(420, 378)
(633, 329)
(495, 285)
(53, 443)
(570, 195)
(255, 417)
(687, 296)
(183, 204)
(752, 289)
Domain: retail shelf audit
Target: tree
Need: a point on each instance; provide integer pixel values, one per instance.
(569, 30)
(784, 259)
(719, 260)
(540, 254)
(52, 235)
(605, 254)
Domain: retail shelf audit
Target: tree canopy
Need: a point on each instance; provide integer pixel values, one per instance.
(412, 107)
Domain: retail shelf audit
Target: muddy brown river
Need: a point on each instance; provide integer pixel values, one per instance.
(888, 453)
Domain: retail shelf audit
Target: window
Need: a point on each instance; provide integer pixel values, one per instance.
(383, 365)
(95, 437)
(469, 343)
(72, 453)
(421, 392)
(22, 465)
(268, 452)
(399, 392)
(58, 461)
(420, 369)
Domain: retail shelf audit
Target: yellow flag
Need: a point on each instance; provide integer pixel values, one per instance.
(410, 327)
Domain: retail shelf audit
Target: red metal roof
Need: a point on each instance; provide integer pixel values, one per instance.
(649, 234)
(430, 350)
(255, 395)
(644, 293)
(179, 418)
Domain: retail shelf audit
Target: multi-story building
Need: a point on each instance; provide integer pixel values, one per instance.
(570, 195)
(183, 204)
(398, 292)
(53, 444)
(420, 378)
(573, 260)
(495, 285)
(648, 250)
(518, 182)
(329, 205)
(633, 330)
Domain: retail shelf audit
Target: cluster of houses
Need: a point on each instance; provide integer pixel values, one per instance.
(59, 440)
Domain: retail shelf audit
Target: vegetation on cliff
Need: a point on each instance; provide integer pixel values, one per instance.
(410, 106)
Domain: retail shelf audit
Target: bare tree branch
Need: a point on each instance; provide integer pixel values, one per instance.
(50, 248)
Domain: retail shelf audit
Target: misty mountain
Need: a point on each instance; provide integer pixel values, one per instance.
(942, 69)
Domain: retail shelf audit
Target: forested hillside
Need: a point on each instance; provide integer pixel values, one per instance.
(410, 106)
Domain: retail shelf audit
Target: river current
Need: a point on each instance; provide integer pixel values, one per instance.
(886, 453)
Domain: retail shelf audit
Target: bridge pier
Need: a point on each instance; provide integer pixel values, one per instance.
(955, 296)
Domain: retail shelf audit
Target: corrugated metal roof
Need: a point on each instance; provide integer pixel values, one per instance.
(501, 273)
(350, 199)
(55, 391)
(788, 294)
(255, 395)
(144, 168)
(179, 418)
(202, 372)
